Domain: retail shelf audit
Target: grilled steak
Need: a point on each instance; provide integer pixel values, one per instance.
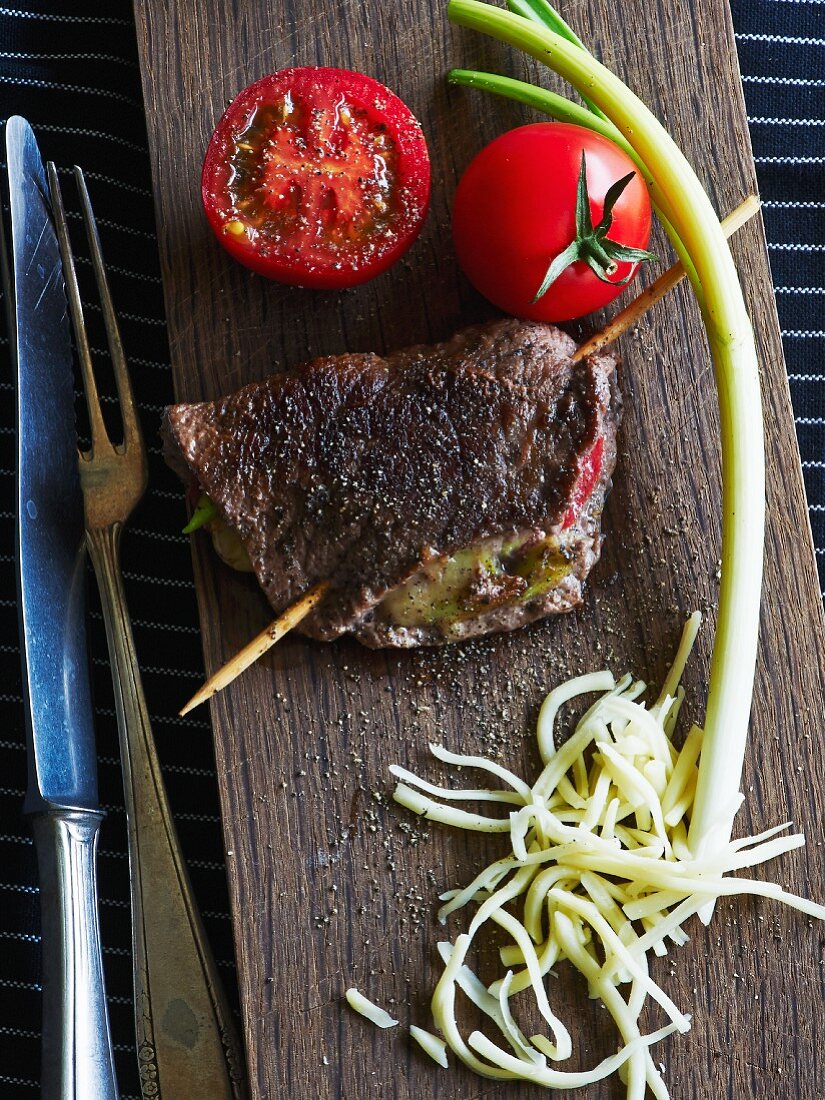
(446, 491)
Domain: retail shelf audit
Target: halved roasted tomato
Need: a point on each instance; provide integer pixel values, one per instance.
(317, 177)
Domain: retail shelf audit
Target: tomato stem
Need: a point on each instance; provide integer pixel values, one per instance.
(591, 243)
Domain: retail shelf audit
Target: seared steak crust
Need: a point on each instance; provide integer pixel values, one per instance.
(358, 468)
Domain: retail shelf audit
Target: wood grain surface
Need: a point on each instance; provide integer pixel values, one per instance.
(331, 884)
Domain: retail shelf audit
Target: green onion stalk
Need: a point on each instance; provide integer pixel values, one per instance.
(693, 226)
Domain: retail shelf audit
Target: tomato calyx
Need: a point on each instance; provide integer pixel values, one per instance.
(591, 243)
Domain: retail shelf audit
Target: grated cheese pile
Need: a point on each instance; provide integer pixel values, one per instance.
(599, 873)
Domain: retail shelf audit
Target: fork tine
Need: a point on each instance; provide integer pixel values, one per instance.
(97, 427)
(132, 435)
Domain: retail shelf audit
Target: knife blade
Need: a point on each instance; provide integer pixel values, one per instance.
(50, 552)
(50, 535)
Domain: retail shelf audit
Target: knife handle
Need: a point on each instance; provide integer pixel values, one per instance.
(187, 1045)
(77, 1045)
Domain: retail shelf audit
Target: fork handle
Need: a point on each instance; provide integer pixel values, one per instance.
(186, 1043)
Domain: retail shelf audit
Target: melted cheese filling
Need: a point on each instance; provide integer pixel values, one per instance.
(452, 588)
(496, 572)
(228, 546)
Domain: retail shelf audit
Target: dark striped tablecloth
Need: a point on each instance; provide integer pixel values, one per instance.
(71, 68)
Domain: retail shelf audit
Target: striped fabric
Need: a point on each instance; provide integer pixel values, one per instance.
(782, 56)
(71, 68)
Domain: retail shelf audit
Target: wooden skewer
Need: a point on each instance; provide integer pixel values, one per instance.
(258, 646)
(302, 607)
(628, 317)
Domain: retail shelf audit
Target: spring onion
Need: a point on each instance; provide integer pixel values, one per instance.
(677, 192)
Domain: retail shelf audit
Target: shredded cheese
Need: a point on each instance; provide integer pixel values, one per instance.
(372, 1012)
(430, 1044)
(599, 872)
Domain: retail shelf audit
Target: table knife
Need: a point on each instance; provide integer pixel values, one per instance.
(62, 798)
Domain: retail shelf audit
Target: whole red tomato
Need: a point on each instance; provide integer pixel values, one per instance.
(317, 177)
(515, 212)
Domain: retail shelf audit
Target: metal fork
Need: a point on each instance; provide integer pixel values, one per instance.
(186, 1043)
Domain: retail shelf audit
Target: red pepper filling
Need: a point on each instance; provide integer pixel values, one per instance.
(591, 468)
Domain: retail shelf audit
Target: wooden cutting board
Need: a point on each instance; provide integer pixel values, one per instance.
(331, 884)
